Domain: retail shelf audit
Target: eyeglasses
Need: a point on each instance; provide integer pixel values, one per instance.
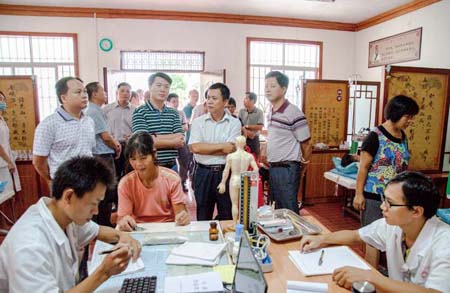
(388, 205)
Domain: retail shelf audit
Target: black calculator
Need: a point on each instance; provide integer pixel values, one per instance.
(142, 284)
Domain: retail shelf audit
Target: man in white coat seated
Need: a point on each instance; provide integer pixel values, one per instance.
(43, 249)
(415, 240)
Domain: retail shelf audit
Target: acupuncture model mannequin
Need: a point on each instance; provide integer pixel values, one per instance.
(237, 162)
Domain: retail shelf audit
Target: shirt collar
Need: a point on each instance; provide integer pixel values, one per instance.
(252, 111)
(66, 116)
(283, 107)
(116, 104)
(422, 243)
(227, 116)
(152, 108)
(53, 226)
(95, 106)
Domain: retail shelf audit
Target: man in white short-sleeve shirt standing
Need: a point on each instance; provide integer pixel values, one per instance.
(415, 240)
(42, 251)
(67, 132)
(213, 136)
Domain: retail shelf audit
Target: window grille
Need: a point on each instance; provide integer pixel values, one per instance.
(297, 59)
(48, 57)
(169, 61)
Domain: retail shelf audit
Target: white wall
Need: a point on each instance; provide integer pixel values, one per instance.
(224, 44)
(435, 50)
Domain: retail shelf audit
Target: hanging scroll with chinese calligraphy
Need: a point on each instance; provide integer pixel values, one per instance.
(426, 134)
(325, 105)
(21, 113)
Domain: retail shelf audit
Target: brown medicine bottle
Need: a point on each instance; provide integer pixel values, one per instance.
(213, 231)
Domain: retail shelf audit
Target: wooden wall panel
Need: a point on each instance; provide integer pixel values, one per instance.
(318, 189)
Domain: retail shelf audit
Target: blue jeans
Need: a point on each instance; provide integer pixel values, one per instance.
(284, 181)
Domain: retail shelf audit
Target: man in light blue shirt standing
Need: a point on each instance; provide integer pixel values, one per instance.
(106, 147)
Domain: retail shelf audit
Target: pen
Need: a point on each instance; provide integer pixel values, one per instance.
(321, 257)
(108, 251)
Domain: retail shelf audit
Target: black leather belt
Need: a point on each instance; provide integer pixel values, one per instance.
(168, 164)
(104, 155)
(215, 168)
(282, 164)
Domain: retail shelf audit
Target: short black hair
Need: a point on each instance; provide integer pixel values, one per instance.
(252, 96)
(224, 90)
(1, 93)
(61, 86)
(282, 78)
(82, 174)
(133, 94)
(347, 159)
(152, 78)
(418, 190)
(123, 83)
(172, 96)
(92, 88)
(140, 142)
(399, 106)
(232, 101)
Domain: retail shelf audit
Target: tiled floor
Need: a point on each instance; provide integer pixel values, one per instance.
(330, 215)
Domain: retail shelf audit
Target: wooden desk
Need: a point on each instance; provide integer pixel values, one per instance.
(284, 269)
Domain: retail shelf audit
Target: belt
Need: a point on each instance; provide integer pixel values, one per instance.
(168, 164)
(103, 155)
(215, 168)
(283, 164)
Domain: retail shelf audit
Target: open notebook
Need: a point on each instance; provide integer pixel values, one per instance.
(333, 258)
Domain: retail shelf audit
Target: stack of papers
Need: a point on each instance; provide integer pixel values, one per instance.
(306, 287)
(196, 253)
(205, 282)
(333, 258)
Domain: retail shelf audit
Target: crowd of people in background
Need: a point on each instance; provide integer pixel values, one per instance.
(137, 155)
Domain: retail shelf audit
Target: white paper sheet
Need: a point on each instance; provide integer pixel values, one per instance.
(182, 260)
(201, 250)
(97, 259)
(306, 287)
(204, 282)
(333, 258)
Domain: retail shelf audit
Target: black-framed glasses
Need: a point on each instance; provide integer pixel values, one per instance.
(388, 205)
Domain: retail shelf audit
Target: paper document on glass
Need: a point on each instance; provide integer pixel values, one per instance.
(201, 250)
(189, 261)
(204, 282)
(333, 258)
(97, 259)
(306, 287)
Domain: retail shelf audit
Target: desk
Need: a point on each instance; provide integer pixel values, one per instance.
(154, 257)
(283, 268)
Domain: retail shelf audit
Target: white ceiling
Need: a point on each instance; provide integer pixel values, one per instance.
(347, 11)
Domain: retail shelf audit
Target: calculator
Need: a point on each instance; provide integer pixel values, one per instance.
(141, 284)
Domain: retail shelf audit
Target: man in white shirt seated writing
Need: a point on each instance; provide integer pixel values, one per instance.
(415, 240)
(43, 249)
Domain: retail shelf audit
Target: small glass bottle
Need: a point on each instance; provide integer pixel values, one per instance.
(213, 231)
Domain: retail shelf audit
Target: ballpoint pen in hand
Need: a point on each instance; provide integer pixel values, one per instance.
(321, 257)
(109, 251)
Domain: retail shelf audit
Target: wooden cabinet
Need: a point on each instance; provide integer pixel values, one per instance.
(18, 204)
(317, 188)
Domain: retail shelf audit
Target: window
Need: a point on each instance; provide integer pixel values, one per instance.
(168, 61)
(363, 108)
(47, 56)
(297, 59)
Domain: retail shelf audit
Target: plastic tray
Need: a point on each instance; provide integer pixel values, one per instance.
(301, 227)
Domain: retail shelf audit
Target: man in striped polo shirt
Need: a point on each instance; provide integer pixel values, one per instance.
(288, 143)
(162, 122)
